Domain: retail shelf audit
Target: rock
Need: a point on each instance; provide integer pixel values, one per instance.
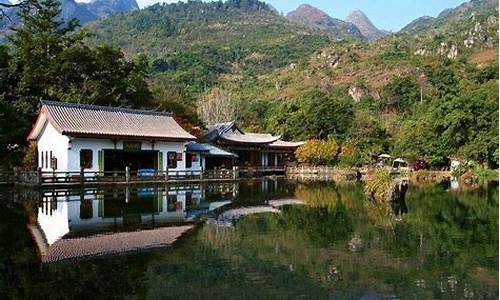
(469, 42)
(356, 243)
(452, 54)
(492, 20)
(333, 60)
(421, 51)
(442, 48)
(357, 93)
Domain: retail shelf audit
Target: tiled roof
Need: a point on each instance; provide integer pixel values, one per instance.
(284, 144)
(229, 132)
(82, 119)
(105, 244)
(216, 130)
(208, 150)
(253, 138)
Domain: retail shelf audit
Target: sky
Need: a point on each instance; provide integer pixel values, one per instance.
(385, 14)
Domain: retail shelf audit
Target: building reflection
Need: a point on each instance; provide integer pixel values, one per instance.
(96, 221)
(62, 212)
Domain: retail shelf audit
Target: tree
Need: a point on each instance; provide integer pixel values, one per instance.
(216, 106)
(327, 116)
(48, 60)
(401, 92)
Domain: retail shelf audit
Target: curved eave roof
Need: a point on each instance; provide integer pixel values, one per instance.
(249, 138)
(284, 144)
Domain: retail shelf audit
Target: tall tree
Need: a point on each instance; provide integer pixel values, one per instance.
(49, 60)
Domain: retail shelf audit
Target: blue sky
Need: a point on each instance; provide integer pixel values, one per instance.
(385, 14)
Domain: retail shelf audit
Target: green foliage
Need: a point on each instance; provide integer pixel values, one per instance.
(377, 184)
(401, 92)
(475, 170)
(196, 42)
(316, 114)
(466, 124)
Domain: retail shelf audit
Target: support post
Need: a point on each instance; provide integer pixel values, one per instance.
(201, 173)
(16, 175)
(82, 176)
(166, 174)
(127, 174)
(39, 176)
(235, 172)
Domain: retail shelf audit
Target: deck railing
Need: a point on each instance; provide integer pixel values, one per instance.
(83, 177)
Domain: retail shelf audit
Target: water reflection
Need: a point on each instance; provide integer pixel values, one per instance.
(66, 222)
(93, 210)
(319, 241)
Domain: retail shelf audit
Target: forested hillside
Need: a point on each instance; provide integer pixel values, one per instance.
(196, 42)
(428, 92)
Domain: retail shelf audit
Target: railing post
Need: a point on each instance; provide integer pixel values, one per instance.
(166, 174)
(235, 172)
(82, 176)
(127, 174)
(39, 176)
(15, 176)
(201, 173)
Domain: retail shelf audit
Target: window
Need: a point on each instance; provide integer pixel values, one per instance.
(189, 159)
(53, 162)
(172, 160)
(86, 158)
(171, 202)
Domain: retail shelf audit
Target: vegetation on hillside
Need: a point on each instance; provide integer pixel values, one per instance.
(196, 42)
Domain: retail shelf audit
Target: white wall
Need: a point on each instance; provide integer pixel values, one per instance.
(95, 145)
(178, 147)
(51, 140)
(67, 150)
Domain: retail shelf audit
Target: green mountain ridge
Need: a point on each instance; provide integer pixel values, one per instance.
(195, 42)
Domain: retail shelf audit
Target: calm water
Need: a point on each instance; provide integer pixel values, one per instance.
(442, 243)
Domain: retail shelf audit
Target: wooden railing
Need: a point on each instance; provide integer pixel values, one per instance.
(6, 177)
(127, 176)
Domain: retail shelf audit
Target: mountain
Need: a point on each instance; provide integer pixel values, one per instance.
(70, 9)
(313, 17)
(419, 24)
(96, 9)
(199, 43)
(106, 8)
(451, 19)
(364, 25)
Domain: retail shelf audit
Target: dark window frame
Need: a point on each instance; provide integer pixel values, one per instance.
(189, 160)
(172, 159)
(86, 158)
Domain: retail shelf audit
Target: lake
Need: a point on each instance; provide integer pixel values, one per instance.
(254, 239)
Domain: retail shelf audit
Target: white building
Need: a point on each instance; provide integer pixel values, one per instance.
(73, 136)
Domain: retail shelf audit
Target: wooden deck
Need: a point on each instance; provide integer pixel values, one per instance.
(92, 178)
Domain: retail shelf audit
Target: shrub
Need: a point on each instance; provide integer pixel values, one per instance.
(377, 184)
(470, 171)
(318, 152)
